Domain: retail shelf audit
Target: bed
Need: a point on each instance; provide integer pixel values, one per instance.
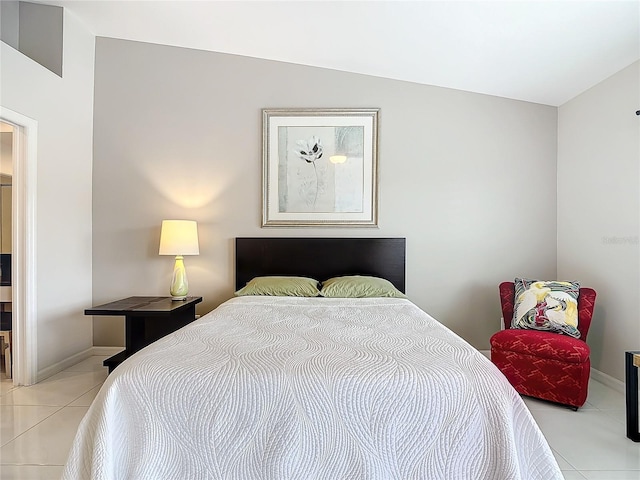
(283, 387)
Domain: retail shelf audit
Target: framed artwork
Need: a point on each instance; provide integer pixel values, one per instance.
(320, 167)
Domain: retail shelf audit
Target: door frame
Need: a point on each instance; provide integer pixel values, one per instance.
(24, 245)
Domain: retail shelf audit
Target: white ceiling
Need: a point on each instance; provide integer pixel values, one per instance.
(539, 51)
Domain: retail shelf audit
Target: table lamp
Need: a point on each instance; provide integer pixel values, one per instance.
(179, 237)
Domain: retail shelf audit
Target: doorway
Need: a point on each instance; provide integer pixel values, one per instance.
(6, 227)
(24, 134)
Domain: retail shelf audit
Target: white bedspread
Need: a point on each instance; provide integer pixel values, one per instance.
(292, 388)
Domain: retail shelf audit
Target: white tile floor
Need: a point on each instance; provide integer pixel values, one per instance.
(38, 424)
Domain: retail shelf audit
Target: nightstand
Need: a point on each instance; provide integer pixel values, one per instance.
(632, 365)
(146, 320)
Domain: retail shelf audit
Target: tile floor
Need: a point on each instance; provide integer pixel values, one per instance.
(37, 425)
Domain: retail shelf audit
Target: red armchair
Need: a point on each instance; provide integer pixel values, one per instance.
(545, 365)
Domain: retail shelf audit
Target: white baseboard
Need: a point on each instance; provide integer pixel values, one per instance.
(64, 364)
(109, 351)
(77, 358)
(608, 380)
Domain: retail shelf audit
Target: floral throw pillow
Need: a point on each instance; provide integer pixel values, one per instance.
(550, 306)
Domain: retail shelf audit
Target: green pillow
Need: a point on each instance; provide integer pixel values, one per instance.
(281, 287)
(357, 286)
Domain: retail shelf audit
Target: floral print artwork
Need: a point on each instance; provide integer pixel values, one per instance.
(308, 181)
(310, 150)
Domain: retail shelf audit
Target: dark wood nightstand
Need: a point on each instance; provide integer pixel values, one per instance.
(632, 365)
(146, 320)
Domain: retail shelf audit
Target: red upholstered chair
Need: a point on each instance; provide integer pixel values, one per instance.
(545, 365)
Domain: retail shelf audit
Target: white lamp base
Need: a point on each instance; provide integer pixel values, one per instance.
(179, 284)
(178, 299)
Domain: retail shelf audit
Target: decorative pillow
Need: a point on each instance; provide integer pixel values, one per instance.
(281, 287)
(357, 286)
(550, 306)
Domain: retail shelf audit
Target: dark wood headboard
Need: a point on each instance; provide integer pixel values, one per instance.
(321, 258)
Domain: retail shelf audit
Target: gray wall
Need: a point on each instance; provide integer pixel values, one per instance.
(468, 179)
(9, 22)
(35, 30)
(599, 210)
(41, 34)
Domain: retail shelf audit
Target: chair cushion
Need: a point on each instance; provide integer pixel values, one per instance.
(542, 345)
(547, 306)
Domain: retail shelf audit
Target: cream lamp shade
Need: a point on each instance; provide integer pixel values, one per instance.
(179, 237)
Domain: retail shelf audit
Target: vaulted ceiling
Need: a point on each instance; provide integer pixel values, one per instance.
(539, 51)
